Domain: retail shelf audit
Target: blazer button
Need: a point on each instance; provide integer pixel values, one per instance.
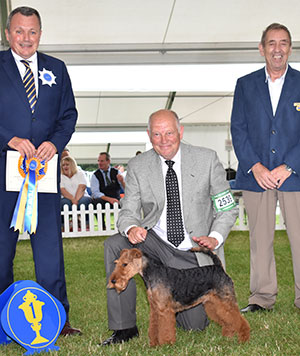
(273, 150)
(33, 119)
(273, 132)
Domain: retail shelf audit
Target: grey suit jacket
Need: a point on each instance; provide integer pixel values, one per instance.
(203, 176)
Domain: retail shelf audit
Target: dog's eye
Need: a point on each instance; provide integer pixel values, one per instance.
(124, 264)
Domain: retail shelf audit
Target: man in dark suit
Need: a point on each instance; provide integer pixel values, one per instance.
(39, 128)
(144, 215)
(265, 126)
(106, 184)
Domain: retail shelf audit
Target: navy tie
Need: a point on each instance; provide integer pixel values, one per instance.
(29, 85)
(175, 231)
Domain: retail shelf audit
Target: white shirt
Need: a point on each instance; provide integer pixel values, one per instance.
(71, 184)
(161, 227)
(275, 89)
(33, 66)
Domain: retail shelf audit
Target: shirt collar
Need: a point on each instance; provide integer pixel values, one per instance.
(176, 158)
(280, 78)
(103, 171)
(32, 59)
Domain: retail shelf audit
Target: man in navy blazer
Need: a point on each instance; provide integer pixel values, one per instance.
(265, 126)
(40, 132)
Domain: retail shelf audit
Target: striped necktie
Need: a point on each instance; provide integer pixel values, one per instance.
(29, 85)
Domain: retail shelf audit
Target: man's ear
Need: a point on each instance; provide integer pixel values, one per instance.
(261, 49)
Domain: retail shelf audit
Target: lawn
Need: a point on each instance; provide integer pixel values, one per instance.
(272, 333)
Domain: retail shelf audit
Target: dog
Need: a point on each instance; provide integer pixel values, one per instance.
(172, 290)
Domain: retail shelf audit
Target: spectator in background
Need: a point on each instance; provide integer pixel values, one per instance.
(106, 183)
(73, 184)
(65, 153)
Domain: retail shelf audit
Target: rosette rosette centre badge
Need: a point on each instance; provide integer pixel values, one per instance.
(25, 217)
(47, 77)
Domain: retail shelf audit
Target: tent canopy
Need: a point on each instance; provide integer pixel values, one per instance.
(139, 33)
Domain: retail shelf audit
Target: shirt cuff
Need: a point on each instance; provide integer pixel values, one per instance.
(129, 227)
(217, 236)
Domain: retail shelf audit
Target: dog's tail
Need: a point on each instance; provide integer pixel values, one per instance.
(208, 252)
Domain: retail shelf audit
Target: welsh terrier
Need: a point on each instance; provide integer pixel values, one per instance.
(172, 290)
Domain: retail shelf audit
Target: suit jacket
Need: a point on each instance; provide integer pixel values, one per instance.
(55, 115)
(258, 136)
(202, 177)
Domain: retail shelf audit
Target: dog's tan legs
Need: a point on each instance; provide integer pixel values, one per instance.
(227, 314)
(153, 322)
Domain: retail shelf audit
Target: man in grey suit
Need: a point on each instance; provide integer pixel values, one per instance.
(207, 208)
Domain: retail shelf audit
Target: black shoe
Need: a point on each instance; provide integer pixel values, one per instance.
(120, 336)
(253, 308)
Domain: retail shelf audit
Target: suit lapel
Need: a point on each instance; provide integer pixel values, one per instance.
(187, 179)
(156, 179)
(287, 90)
(263, 89)
(42, 63)
(12, 71)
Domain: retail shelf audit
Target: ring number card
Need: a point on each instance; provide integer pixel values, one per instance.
(224, 201)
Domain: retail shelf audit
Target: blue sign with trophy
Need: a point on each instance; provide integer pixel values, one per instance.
(31, 316)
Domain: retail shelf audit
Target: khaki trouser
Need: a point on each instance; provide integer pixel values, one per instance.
(261, 210)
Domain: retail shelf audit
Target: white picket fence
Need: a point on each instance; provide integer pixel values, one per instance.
(75, 220)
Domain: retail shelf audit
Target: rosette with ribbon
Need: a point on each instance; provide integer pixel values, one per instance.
(25, 217)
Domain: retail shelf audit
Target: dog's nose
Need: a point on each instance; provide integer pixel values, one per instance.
(113, 281)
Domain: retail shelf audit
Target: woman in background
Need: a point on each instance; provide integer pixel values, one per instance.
(73, 185)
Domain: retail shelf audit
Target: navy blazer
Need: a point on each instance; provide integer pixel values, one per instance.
(259, 136)
(55, 114)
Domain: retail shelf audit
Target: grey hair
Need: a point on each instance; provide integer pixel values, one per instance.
(274, 26)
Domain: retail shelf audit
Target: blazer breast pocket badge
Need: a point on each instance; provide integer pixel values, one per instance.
(297, 106)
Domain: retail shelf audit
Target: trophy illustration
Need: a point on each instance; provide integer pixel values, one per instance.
(32, 309)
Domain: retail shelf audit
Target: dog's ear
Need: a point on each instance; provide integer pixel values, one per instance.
(123, 251)
(136, 253)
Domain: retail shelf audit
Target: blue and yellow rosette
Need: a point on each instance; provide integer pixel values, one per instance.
(25, 217)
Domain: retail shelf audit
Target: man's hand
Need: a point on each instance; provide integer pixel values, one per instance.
(280, 174)
(265, 179)
(109, 199)
(121, 180)
(74, 201)
(206, 241)
(136, 234)
(46, 151)
(23, 146)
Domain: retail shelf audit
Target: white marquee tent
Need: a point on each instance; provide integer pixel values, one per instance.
(128, 58)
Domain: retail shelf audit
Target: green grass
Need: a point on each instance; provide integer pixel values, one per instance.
(272, 333)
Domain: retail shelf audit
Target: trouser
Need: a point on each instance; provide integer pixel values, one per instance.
(122, 307)
(46, 245)
(261, 210)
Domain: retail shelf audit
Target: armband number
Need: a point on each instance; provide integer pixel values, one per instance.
(223, 201)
